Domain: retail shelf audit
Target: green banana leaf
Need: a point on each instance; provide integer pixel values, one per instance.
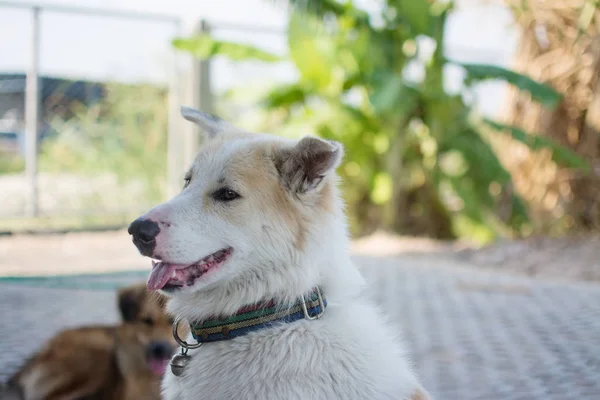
(205, 46)
(391, 93)
(321, 8)
(285, 96)
(540, 92)
(560, 154)
(484, 166)
(416, 12)
(311, 50)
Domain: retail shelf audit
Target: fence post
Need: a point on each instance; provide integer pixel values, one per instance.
(32, 111)
(174, 149)
(200, 97)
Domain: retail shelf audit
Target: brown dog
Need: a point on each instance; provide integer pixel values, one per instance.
(123, 362)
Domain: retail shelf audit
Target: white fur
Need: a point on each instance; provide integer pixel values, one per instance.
(350, 353)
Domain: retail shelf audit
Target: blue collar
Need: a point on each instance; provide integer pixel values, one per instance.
(259, 316)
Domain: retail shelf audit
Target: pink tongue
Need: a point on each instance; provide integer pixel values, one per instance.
(160, 275)
(158, 366)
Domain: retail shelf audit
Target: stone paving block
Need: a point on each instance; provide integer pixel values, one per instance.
(472, 335)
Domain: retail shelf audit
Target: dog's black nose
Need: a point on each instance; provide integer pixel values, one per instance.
(144, 232)
(160, 350)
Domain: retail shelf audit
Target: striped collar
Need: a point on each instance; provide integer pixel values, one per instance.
(258, 316)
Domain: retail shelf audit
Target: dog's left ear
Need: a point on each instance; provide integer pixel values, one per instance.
(210, 124)
(303, 167)
(130, 302)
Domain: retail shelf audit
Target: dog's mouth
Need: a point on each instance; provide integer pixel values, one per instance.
(167, 276)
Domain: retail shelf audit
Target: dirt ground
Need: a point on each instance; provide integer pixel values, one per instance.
(572, 259)
(575, 258)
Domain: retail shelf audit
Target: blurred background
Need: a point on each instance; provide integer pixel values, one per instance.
(471, 128)
(468, 119)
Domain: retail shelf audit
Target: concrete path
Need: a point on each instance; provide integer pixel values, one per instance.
(472, 335)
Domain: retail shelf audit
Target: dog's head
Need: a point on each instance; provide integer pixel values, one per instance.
(258, 216)
(145, 340)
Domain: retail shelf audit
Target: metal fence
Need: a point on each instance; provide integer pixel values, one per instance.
(57, 106)
(90, 131)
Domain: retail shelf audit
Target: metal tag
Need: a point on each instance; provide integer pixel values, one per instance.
(179, 362)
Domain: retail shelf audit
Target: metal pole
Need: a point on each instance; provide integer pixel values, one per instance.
(92, 11)
(200, 97)
(174, 149)
(32, 102)
(205, 92)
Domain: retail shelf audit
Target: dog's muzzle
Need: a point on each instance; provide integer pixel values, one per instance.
(160, 350)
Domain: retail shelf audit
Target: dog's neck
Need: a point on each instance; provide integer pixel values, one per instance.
(226, 300)
(324, 262)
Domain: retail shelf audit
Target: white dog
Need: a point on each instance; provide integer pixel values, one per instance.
(254, 254)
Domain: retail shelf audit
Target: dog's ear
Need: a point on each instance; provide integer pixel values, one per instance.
(303, 167)
(130, 301)
(210, 124)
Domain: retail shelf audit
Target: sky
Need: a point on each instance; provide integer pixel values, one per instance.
(102, 48)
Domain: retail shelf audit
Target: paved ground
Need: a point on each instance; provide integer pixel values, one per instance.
(473, 335)
(479, 335)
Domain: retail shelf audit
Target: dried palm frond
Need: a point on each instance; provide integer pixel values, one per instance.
(560, 46)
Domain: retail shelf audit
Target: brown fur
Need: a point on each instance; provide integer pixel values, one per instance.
(420, 395)
(100, 362)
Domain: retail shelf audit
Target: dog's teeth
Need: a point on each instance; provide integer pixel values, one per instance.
(154, 263)
(211, 258)
(174, 274)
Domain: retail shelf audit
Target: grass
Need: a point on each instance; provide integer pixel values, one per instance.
(10, 163)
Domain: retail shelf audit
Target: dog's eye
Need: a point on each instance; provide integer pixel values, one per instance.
(186, 181)
(148, 321)
(225, 194)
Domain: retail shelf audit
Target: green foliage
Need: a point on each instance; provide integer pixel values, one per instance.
(414, 155)
(124, 135)
(286, 94)
(389, 92)
(588, 11)
(204, 46)
(11, 163)
(311, 51)
(416, 13)
(560, 154)
(539, 92)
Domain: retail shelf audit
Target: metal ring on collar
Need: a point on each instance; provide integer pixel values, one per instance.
(321, 306)
(182, 342)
